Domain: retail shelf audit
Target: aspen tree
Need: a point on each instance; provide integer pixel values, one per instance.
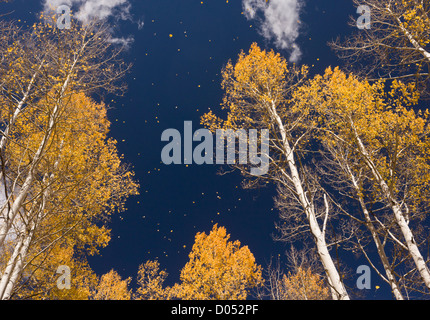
(80, 182)
(388, 142)
(257, 89)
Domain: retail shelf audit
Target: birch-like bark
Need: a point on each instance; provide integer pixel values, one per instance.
(336, 285)
(10, 267)
(11, 281)
(379, 246)
(16, 266)
(25, 188)
(5, 214)
(397, 211)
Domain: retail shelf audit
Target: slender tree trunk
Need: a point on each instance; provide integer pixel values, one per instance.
(23, 192)
(18, 267)
(10, 267)
(7, 283)
(337, 288)
(379, 247)
(384, 259)
(398, 214)
(5, 213)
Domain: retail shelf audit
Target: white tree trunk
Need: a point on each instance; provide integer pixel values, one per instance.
(411, 244)
(398, 214)
(9, 285)
(336, 285)
(10, 268)
(10, 213)
(5, 214)
(410, 37)
(16, 265)
(379, 247)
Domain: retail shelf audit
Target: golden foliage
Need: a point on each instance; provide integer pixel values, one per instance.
(256, 82)
(218, 269)
(396, 46)
(303, 285)
(62, 173)
(81, 181)
(416, 19)
(351, 111)
(112, 287)
(42, 284)
(150, 281)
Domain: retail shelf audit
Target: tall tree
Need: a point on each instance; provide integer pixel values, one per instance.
(258, 90)
(59, 171)
(46, 65)
(342, 171)
(388, 161)
(78, 183)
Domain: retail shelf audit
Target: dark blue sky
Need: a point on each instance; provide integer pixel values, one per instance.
(177, 78)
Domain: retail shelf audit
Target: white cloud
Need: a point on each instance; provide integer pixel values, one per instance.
(102, 9)
(125, 42)
(279, 21)
(251, 7)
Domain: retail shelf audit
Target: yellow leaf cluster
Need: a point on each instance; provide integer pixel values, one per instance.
(218, 269)
(44, 285)
(150, 280)
(112, 287)
(258, 80)
(416, 20)
(303, 285)
(81, 180)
